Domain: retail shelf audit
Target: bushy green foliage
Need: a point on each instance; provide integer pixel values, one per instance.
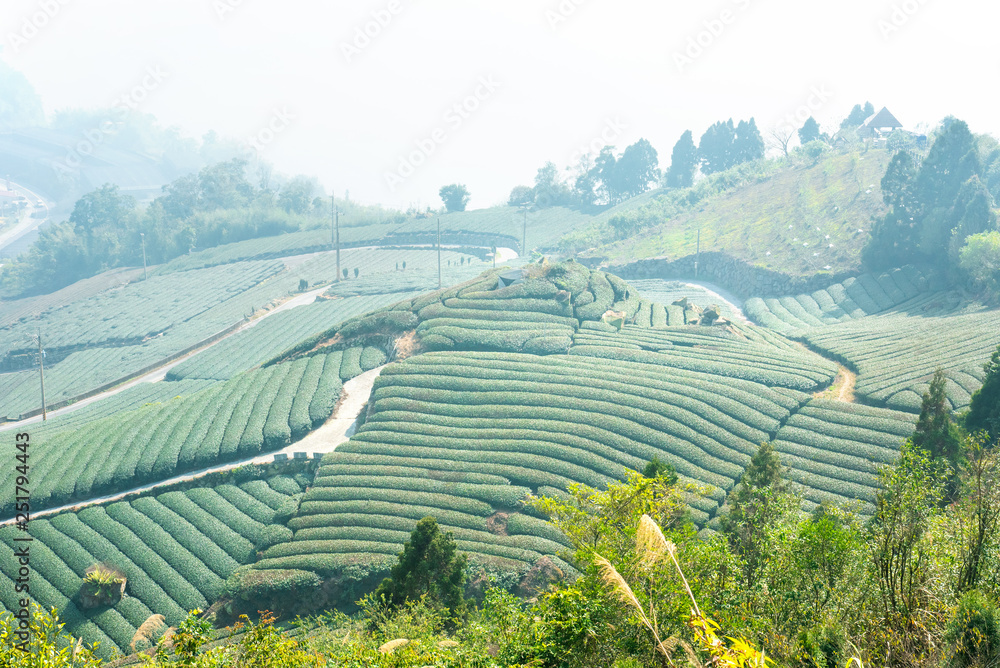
(972, 635)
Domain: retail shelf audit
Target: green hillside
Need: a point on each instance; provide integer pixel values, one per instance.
(794, 217)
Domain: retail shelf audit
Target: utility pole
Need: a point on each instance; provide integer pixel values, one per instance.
(336, 231)
(143, 237)
(697, 253)
(439, 253)
(41, 372)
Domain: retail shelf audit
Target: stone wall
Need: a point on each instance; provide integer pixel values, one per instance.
(738, 276)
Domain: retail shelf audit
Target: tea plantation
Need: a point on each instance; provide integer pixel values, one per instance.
(492, 392)
(254, 412)
(895, 355)
(841, 302)
(263, 341)
(176, 548)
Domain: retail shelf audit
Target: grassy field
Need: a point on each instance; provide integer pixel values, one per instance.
(797, 220)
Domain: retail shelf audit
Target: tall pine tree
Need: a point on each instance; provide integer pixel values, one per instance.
(715, 150)
(809, 131)
(935, 432)
(748, 145)
(683, 162)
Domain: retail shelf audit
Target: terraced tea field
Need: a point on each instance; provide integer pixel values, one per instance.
(895, 355)
(833, 449)
(176, 549)
(493, 426)
(254, 412)
(841, 302)
(276, 333)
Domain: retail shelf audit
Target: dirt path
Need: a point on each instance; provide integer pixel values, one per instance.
(336, 430)
(340, 426)
(842, 388)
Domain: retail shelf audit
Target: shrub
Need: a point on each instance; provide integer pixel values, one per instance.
(822, 647)
(972, 632)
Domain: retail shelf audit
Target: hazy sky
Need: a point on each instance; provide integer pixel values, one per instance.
(534, 80)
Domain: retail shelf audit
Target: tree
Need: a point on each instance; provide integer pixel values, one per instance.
(780, 137)
(296, 196)
(971, 214)
(951, 162)
(904, 507)
(225, 186)
(345, 272)
(429, 566)
(936, 434)
(520, 196)
(636, 171)
(455, 197)
(683, 162)
(657, 468)
(99, 218)
(549, 189)
(984, 409)
(809, 131)
(977, 512)
(857, 116)
(748, 144)
(893, 239)
(755, 504)
(356, 272)
(715, 150)
(979, 258)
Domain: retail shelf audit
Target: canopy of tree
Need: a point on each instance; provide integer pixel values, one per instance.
(724, 145)
(106, 228)
(934, 205)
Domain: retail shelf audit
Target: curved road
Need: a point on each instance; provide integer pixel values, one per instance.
(28, 223)
(336, 430)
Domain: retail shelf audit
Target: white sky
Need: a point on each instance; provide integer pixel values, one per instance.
(230, 64)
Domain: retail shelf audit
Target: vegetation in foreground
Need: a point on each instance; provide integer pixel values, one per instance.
(914, 586)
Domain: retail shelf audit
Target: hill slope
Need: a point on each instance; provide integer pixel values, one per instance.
(797, 219)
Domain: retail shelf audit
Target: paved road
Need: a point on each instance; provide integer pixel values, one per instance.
(336, 430)
(723, 295)
(27, 222)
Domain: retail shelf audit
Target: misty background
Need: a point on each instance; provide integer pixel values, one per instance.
(348, 92)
